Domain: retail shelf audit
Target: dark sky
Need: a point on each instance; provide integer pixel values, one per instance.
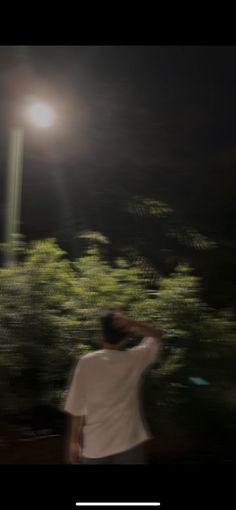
(137, 110)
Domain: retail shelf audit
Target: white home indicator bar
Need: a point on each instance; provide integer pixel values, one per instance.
(118, 504)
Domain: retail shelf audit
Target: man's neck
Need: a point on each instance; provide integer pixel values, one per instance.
(116, 347)
(111, 347)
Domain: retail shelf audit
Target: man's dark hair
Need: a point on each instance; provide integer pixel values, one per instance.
(113, 335)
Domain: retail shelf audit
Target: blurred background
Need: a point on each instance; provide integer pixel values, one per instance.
(117, 189)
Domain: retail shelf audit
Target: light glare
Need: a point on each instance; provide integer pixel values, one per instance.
(41, 115)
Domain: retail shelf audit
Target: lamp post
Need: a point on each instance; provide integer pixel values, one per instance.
(42, 116)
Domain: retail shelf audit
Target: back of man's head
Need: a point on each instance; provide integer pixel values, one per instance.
(112, 334)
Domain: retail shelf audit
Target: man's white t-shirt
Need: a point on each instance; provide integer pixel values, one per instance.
(105, 388)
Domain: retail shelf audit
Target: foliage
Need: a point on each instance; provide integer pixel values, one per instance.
(49, 315)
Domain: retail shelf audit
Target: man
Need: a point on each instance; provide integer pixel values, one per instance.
(103, 398)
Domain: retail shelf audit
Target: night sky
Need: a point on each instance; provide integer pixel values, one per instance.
(153, 120)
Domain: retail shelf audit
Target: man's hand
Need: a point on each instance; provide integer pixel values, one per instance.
(123, 322)
(74, 453)
(126, 324)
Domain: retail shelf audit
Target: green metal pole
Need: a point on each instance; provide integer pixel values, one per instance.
(14, 187)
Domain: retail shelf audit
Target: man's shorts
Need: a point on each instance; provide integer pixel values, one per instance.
(137, 455)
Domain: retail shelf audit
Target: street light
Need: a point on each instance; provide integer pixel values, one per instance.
(42, 116)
